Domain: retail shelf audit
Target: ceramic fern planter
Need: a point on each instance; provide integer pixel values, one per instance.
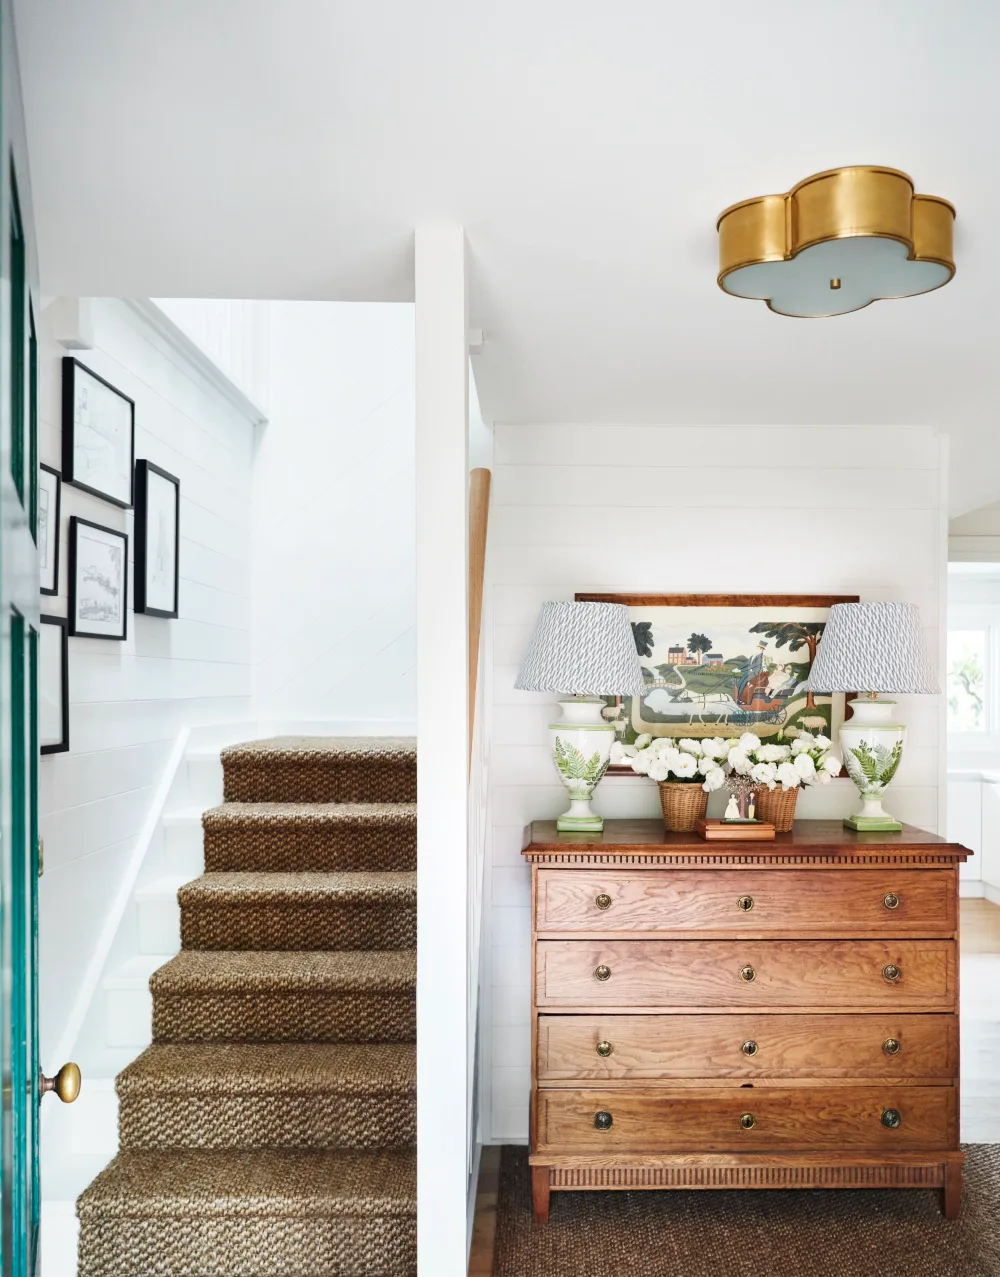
(872, 749)
(581, 748)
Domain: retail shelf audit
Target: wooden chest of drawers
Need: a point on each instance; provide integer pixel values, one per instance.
(727, 1015)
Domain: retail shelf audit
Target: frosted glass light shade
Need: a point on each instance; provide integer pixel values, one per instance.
(582, 649)
(872, 647)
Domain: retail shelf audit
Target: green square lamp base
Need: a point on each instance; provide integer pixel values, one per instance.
(580, 824)
(872, 824)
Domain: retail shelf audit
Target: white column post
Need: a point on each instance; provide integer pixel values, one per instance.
(442, 729)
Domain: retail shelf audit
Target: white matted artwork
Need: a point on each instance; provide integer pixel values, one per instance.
(98, 580)
(47, 531)
(157, 535)
(98, 434)
(53, 685)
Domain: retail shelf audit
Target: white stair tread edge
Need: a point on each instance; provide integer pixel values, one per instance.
(161, 888)
(208, 753)
(135, 972)
(185, 816)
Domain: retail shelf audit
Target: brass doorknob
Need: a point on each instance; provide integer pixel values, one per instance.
(892, 1046)
(66, 1083)
(603, 1121)
(891, 901)
(603, 901)
(602, 972)
(748, 974)
(891, 1119)
(749, 1048)
(748, 1121)
(604, 1049)
(891, 972)
(745, 903)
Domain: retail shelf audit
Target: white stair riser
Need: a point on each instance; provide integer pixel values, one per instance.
(59, 1237)
(159, 924)
(204, 781)
(129, 1017)
(184, 849)
(94, 1126)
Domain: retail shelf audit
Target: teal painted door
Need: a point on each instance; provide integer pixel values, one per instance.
(19, 609)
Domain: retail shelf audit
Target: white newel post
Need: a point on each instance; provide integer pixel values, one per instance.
(442, 730)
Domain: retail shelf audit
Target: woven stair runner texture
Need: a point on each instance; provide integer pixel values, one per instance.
(740, 1233)
(270, 1130)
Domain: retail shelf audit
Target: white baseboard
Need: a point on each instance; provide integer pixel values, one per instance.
(971, 889)
(337, 727)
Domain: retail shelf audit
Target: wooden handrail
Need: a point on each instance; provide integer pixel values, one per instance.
(479, 512)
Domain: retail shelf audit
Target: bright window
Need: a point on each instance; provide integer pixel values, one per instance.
(967, 689)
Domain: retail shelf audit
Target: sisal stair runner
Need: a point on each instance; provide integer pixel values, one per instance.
(270, 1129)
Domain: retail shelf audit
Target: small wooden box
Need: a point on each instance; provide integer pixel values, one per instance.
(730, 831)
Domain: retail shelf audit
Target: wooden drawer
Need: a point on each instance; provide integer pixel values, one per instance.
(672, 1047)
(783, 1119)
(821, 975)
(748, 901)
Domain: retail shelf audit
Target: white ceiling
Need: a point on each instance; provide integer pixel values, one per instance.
(286, 148)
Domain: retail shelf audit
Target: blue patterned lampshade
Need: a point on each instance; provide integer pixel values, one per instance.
(872, 647)
(582, 649)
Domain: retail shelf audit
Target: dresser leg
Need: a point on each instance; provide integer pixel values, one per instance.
(951, 1194)
(540, 1193)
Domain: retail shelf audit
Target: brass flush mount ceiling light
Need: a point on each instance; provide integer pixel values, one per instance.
(836, 242)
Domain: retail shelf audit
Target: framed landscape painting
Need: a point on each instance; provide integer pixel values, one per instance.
(98, 424)
(721, 665)
(98, 581)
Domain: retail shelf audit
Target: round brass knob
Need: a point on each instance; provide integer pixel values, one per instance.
(749, 1047)
(602, 972)
(66, 1083)
(891, 972)
(892, 1046)
(604, 1049)
(748, 975)
(891, 901)
(748, 1121)
(891, 1119)
(745, 903)
(603, 1121)
(603, 901)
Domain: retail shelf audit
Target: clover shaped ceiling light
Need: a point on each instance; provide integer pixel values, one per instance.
(836, 242)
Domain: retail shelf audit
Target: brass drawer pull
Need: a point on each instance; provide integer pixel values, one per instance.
(604, 1049)
(748, 1121)
(602, 972)
(891, 972)
(745, 903)
(891, 901)
(603, 901)
(748, 975)
(891, 1119)
(749, 1047)
(892, 1046)
(603, 1121)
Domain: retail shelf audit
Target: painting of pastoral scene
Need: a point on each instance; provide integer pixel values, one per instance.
(724, 667)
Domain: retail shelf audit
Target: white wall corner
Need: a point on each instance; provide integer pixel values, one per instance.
(71, 322)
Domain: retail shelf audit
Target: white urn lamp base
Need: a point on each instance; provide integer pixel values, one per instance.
(871, 746)
(581, 747)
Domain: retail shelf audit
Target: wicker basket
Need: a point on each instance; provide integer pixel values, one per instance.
(684, 803)
(777, 807)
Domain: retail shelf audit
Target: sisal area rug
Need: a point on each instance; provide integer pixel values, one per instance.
(802, 1233)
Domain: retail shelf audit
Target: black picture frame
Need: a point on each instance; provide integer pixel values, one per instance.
(71, 471)
(53, 527)
(62, 745)
(145, 543)
(77, 569)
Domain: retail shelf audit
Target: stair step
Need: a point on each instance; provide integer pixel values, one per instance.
(310, 836)
(128, 1001)
(300, 911)
(204, 996)
(276, 1095)
(253, 1213)
(158, 914)
(322, 769)
(183, 839)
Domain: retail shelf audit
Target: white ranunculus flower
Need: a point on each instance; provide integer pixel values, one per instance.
(685, 766)
(661, 745)
(617, 754)
(832, 765)
(802, 744)
(715, 779)
(822, 742)
(749, 742)
(706, 765)
(740, 762)
(789, 776)
(764, 774)
(658, 770)
(822, 777)
(691, 747)
(629, 751)
(641, 763)
(643, 740)
(805, 766)
(774, 753)
(715, 747)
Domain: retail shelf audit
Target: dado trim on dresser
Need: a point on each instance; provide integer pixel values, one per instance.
(695, 1028)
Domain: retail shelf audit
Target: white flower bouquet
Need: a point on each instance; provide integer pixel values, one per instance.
(662, 758)
(806, 760)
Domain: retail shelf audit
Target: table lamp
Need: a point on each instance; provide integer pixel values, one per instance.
(870, 648)
(583, 651)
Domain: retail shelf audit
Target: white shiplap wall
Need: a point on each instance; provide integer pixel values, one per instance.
(129, 700)
(685, 510)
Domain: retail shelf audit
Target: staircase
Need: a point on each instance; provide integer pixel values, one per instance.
(269, 1131)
